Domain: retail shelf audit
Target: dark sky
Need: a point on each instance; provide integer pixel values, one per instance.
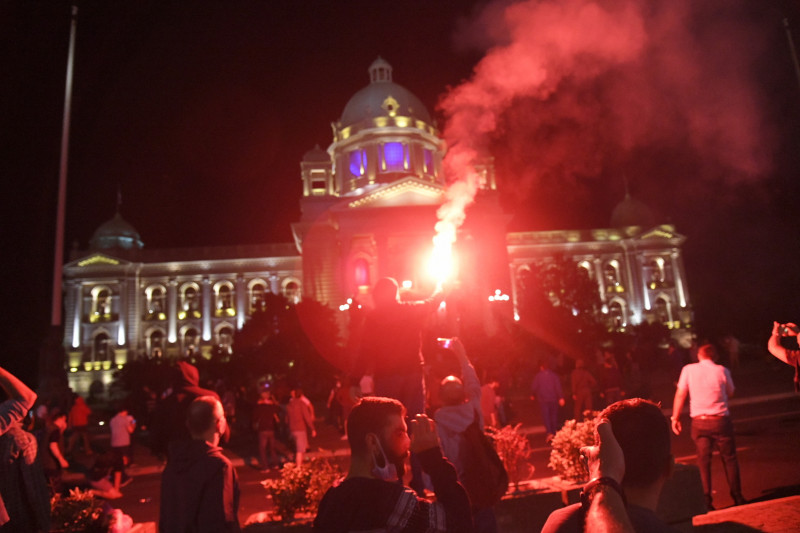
(201, 111)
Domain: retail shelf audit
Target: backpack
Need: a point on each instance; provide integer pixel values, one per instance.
(485, 478)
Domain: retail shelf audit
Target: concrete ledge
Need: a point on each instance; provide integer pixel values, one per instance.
(773, 516)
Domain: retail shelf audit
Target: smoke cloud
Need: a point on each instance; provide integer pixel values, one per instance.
(576, 91)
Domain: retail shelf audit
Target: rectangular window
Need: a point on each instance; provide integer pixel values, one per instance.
(358, 162)
(394, 157)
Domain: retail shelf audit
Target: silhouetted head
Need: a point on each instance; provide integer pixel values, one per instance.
(643, 434)
(385, 292)
(707, 351)
(451, 391)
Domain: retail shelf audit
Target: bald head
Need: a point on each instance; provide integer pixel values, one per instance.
(451, 391)
(206, 418)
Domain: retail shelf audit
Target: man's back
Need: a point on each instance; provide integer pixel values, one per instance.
(199, 490)
(709, 386)
(570, 519)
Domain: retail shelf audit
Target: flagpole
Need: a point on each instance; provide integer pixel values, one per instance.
(55, 317)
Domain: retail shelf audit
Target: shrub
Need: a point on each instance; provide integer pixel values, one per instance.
(79, 512)
(514, 449)
(565, 457)
(300, 488)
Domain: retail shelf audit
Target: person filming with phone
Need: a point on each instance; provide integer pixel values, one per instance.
(788, 356)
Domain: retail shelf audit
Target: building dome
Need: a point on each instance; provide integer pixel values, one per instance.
(631, 212)
(382, 98)
(316, 155)
(116, 234)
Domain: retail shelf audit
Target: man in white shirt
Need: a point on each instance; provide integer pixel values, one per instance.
(709, 386)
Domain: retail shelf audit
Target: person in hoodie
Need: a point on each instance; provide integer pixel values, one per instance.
(461, 404)
(199, 486)
(176, 407)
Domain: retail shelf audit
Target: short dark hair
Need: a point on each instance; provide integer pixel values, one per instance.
(642, 431)
(385, 291)
(707, 351)
(370, 415)
(201, 416)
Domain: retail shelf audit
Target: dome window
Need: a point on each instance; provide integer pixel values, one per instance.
(428, 159)
(358, 163)
(395, 157)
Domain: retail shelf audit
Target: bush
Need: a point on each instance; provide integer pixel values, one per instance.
(514, 449)
(300, 488)
(79, 512)
(565, 457)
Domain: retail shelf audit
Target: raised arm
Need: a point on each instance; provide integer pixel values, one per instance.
(606, 512)
(20, 401)
(472, 385)
(774, 344)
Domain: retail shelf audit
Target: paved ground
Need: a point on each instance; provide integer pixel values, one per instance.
(766, 410)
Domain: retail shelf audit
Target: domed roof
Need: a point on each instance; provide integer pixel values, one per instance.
(316, 155)
(116, 233)
(631, 212)
(382, 97)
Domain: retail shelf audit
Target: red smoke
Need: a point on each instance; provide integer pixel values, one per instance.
(573, 88)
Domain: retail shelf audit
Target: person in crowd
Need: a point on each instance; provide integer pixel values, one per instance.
(175, 406)
(122, 426)
(23, 486)
(642, 432)
(605, 462)
(610, 379)
(371, 499)
(335, 415)
(300, 415)
(489, 404)
(199, 486)
(391, 351)
(790, 357)
(546, 389)
(266, 417)
(78, 422)
(105, 476)
(709, 386)
(583, 385)
(53, 459)
(12, 410)
(461, 401)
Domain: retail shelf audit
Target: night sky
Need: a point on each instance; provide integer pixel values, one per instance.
(200, 112)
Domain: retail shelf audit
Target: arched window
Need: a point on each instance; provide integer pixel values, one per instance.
(190, 302)
(612, 278)
(224, 303)
(101, 305)
(357, 160)
(191, 339)
(291, 291)
(662, 310)
(257, 297)
(225, 336)
(157, 300)
(616, 315)
(587, 266)
(361, 272)
(101, 347)
(155, 343)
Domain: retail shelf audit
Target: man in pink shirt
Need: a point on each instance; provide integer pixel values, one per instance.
(709, 386)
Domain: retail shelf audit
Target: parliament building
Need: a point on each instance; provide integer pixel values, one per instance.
(368, 210)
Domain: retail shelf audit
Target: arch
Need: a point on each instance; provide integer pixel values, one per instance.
(223, 298)
(101, 302)
(156, 296)
(587, 266)
(190, 339)
(224, 335)
(154, 341)
(611, 276)
(618, 313)
(654, 269)
(258, 289)
(662, 307)
(191, 298)
(362, 271)
(291, 288)
(101, 351)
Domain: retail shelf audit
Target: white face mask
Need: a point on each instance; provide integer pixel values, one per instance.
(384, 469)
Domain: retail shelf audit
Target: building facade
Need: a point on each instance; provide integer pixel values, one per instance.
(368, 211)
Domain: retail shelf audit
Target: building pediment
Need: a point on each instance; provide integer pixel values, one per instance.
(96, 259)
(408, 191)
(664, 231)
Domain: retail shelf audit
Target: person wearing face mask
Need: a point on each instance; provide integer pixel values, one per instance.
(372, 496)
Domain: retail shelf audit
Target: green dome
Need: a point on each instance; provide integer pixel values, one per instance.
(115, 234)
(631, 212)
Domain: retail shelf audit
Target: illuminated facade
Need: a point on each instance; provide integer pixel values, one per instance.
(368, 210)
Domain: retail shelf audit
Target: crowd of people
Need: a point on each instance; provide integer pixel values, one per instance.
(389, 421)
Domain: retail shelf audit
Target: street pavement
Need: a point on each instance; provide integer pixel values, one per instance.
(766, 414)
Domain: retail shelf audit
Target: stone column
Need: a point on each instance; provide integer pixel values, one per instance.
(172, 311)
(241, 301)
(207, 309)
